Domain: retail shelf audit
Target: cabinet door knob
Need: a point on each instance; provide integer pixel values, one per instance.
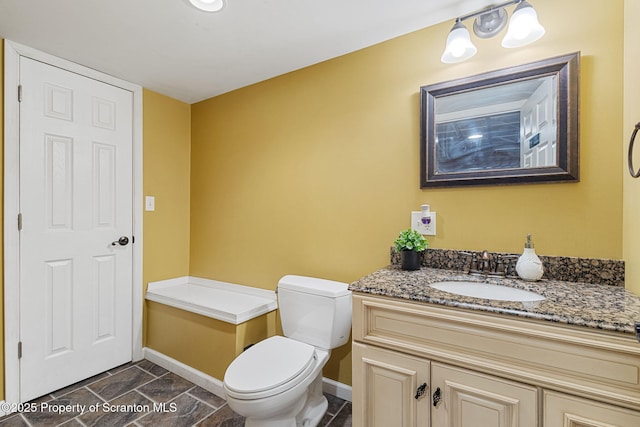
(420, 391)
(436, 397)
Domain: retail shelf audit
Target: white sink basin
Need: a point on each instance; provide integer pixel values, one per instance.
(487, 291)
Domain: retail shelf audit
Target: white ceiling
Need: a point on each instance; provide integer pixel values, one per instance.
(170, 47)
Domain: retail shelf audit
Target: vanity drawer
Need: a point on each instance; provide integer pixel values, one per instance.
(586, 362)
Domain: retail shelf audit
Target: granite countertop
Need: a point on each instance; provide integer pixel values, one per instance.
(605, 307)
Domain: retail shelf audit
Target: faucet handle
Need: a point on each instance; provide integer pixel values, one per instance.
(473, 265)
(509, 268)
(499, 265)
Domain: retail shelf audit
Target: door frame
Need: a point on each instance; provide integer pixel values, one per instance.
(12, 53)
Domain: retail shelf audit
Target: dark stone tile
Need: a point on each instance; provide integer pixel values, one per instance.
(71, 423)
(166, 387)
(62, 409)
(120, 411)
(335, 403)
(151, 367)
(343, 417)
(13, 420)
(120, 383)
(207, 397)
(120, 368)
(78, 385)
(223, 417)
(326, 420)
(182, 411)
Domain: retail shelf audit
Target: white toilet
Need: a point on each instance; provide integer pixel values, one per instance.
(278, 381)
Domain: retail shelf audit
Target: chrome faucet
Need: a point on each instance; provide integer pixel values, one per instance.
(486, 264)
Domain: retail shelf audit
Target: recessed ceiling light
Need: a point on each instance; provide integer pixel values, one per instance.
(208, 5)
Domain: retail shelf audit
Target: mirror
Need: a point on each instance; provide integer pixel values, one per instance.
(516, 125)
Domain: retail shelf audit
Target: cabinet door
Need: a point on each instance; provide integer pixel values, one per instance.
(563, 410)
(385, 386)
(470, 399)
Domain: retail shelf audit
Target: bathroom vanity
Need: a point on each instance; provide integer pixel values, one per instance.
(424, 357)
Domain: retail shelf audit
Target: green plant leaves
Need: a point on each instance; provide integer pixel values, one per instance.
(411, 240)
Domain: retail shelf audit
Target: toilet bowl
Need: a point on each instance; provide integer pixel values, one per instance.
(278, 381)
(269, 384)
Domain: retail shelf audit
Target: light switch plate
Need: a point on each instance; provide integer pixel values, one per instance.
(426, 229)
(149, 203)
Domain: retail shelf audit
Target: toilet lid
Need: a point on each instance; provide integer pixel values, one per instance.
(268, 364)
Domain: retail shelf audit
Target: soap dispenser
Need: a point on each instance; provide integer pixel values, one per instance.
(529, 266)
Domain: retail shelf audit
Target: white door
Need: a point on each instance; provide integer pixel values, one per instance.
(75, 200)
(538, 126)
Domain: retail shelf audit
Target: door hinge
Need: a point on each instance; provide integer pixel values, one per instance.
(133, 239)
(19, 221)
(19, 93)
(19, 349)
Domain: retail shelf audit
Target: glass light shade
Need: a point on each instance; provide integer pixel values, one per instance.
(459, 46)
(524, 27)
(208, 5)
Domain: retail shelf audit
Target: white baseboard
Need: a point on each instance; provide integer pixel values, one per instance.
(197, 377)
(214, 385)
(337, 389)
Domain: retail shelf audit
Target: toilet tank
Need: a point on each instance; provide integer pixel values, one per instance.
(315, 311)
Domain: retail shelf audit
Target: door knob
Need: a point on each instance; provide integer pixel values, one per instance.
(122, 241)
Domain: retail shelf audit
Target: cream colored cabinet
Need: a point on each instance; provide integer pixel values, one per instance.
(471, 399)
(393, 388)
(487, 370)
(563, 410)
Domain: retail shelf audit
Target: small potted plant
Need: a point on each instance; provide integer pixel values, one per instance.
(411, 245)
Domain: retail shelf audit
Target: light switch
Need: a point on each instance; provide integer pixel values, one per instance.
(149, 203)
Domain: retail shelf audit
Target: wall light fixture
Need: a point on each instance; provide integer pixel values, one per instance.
(524, 28)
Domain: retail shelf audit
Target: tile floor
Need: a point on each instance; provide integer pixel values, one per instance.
(144, 394)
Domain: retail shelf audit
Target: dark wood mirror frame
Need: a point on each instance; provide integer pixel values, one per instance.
(566, 168)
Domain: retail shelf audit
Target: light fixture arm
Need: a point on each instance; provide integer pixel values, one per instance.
(487, 10)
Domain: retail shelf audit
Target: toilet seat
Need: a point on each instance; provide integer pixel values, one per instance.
(270, 367)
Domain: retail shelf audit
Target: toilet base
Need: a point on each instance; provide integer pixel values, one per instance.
(315, 407)
(308, 415)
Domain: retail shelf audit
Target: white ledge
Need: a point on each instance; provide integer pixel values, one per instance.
(227, 302)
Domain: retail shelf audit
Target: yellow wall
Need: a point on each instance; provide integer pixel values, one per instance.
(631, 223)
(167, 140)
(315, 172)
(203, 343)
(166, 156)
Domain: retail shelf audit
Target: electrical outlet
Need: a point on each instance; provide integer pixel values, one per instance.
(426, 229)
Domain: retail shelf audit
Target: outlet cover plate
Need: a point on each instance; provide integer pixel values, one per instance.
(425, 229)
